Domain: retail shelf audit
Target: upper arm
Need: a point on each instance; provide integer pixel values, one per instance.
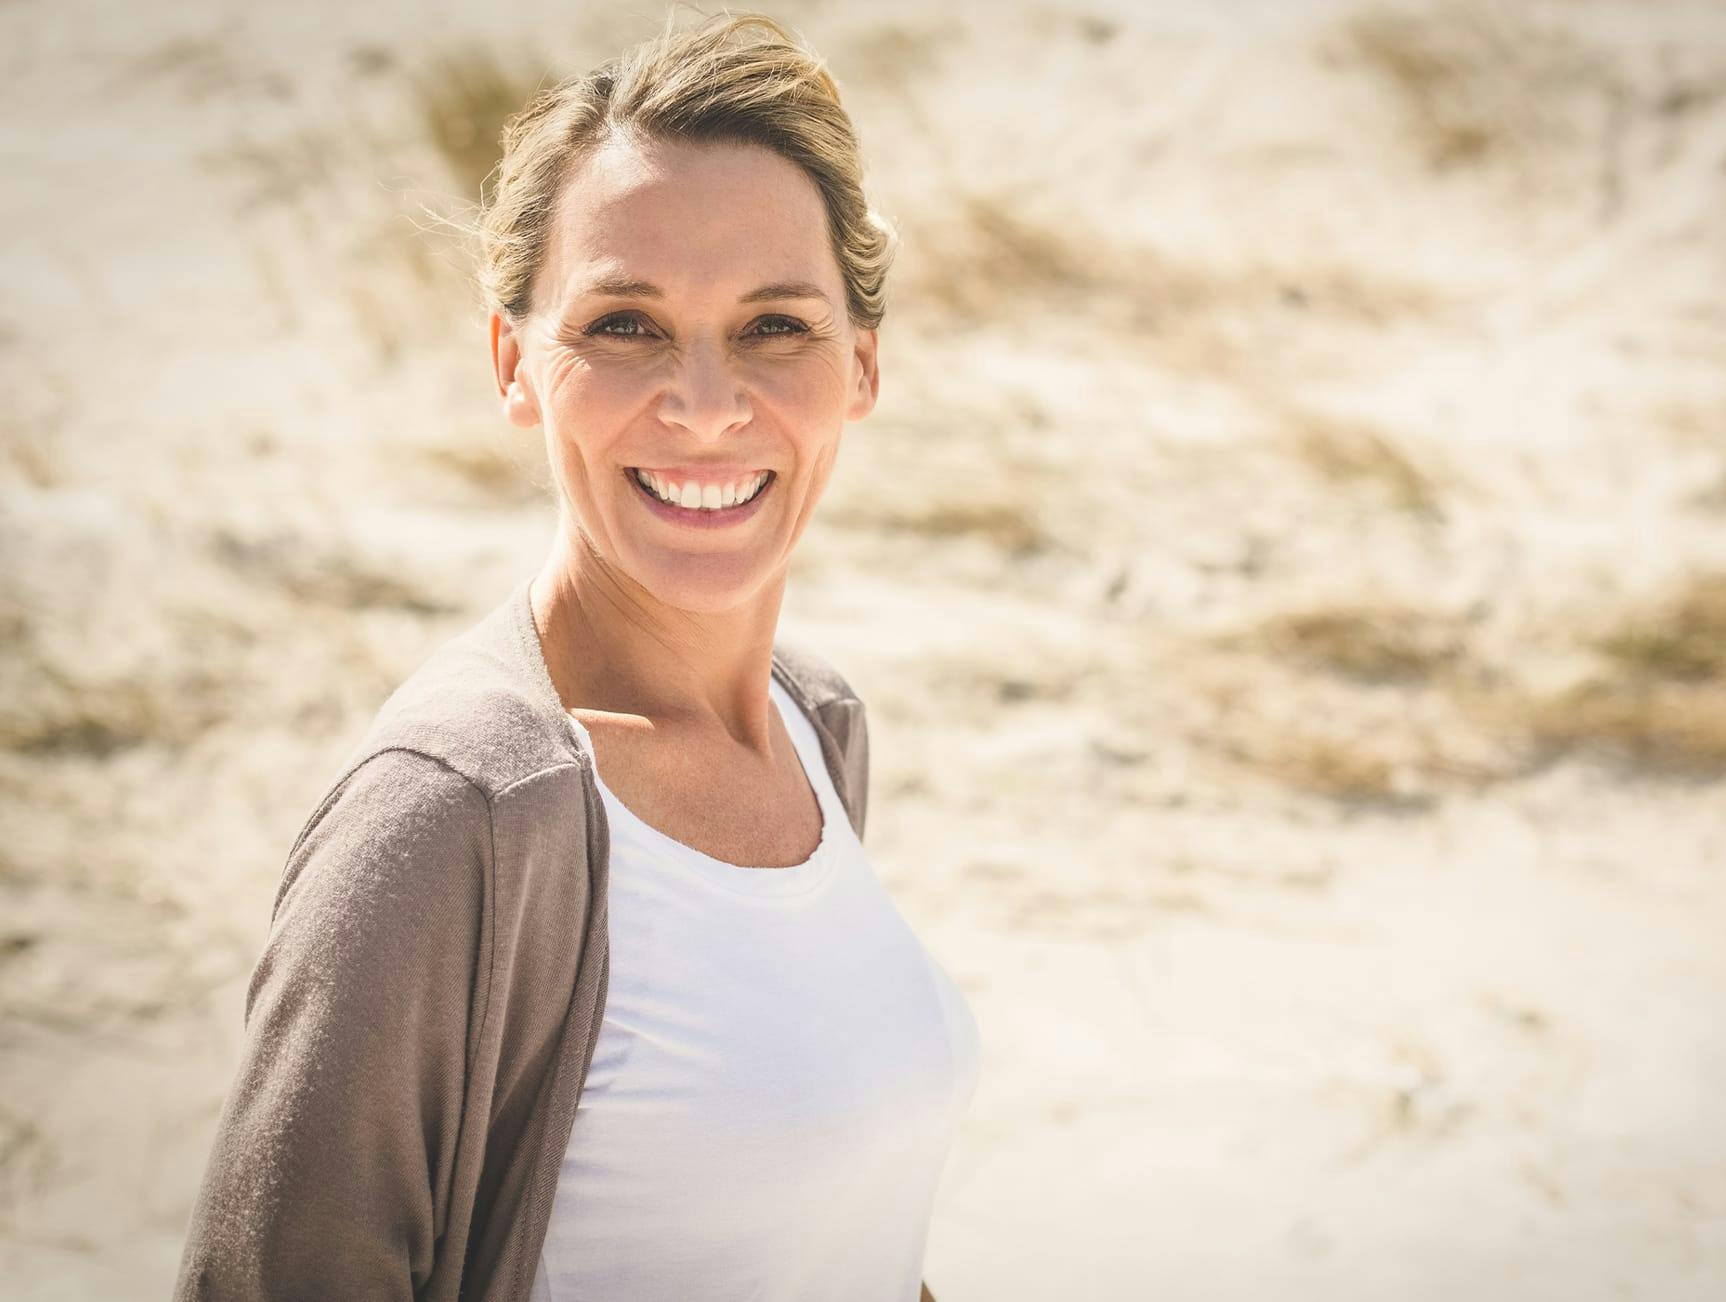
(331, 1163)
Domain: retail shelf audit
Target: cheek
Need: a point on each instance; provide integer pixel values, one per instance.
(812, 386)
(590, 406)
(577, 389)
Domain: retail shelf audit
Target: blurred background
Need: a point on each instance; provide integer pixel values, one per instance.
(1286, 570)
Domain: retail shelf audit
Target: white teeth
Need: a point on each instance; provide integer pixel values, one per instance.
(694, 496)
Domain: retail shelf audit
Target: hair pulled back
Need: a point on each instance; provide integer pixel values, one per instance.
(737, 78)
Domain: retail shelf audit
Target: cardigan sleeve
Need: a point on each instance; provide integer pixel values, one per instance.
(857, 757)
(331, 1166)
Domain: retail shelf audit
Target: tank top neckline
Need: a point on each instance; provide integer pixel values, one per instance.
(765, 880)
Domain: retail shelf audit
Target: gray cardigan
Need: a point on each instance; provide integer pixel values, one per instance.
(422, 1017)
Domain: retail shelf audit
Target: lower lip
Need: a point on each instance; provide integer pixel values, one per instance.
(692, 518)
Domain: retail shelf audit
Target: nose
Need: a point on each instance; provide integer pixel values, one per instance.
(704, 397)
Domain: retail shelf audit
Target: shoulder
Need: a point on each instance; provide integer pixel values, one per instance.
(841, 723)
(395, 821)
(480, 706)
(825, 694)
(468, 780)
(468, 769)
(817, 676)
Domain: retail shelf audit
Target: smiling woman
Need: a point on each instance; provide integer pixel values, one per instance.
(687, 320)
(580, 984)
(736, 356)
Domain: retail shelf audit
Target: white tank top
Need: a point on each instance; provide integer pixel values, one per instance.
(780, 1070)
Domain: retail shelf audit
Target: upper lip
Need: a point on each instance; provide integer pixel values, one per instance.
(711, 475)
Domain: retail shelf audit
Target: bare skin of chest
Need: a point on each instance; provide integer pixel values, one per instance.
(713, 796)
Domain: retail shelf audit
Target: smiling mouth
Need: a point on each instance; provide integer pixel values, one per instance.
(703, 508)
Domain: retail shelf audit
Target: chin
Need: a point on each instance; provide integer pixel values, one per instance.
(709, 585)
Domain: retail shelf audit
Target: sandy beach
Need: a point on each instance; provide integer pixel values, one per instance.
(1296, 509)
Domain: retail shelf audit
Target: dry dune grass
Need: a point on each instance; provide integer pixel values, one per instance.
(463, 96)
(40, 407)
(1008, 525)
(495, 469)
(1005, 522)
(1355, 454)
(1661, 729)
(1680, 637)
(1479, 81)
(1658, 703)
(1099, 448)
(1349, 701)
(986, 253)
(980, 686)
(1376, 643)
(207, 663)
(1350, 769)
(311, 576)
(1382, 755)
(380, 206)
(398, 254)
(30, 455)
(311, 184)
(312, 213)
(928, 487)
(51, 712)
(985, 258)
(201, 69)
(1656, 706)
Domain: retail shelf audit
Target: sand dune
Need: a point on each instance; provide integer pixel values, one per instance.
(1296, 507)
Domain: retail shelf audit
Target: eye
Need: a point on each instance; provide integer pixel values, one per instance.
(604, 324)
(787, 325)
(630, 326)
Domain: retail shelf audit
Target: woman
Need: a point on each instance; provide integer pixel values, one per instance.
(579, 984)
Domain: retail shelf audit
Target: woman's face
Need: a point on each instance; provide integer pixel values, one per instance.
(689, 321)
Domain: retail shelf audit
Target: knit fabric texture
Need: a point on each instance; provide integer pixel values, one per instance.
(424, 1011)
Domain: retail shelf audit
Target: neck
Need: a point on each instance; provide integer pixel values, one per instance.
(612, 647)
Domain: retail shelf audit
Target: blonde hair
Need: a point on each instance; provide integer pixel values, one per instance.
(705, 84)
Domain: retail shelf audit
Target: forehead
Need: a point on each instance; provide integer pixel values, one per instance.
(696, 219)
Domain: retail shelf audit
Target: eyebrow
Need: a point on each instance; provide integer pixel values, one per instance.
(627, 287)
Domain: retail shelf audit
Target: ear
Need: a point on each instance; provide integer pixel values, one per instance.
(519, 404)
(868, 385)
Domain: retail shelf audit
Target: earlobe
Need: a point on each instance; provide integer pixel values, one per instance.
(519, 406)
